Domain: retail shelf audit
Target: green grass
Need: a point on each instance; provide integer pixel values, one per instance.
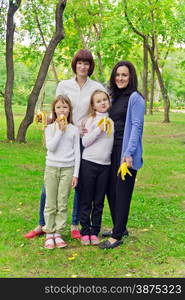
(155, 246)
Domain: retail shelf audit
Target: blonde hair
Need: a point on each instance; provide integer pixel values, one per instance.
(65, 100)
(91, 111)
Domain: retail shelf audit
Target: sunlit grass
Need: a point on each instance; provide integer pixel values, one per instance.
(155, 246)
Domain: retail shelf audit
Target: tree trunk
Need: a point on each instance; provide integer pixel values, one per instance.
(152, 91)
(164, 94)
(145, 73)
(155, 64)
(10, 69)
(58, 36)
(100, 67)
(161, 84)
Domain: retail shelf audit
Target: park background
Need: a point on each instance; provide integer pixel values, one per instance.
(34, 58)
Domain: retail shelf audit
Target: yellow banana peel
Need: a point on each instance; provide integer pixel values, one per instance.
(107, 125)
(123, 170)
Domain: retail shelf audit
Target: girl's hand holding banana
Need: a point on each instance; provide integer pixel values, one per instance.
(62, 122)
(105, 125)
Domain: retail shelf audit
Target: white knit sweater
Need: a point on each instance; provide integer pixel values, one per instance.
(63, 147)
(98, 146)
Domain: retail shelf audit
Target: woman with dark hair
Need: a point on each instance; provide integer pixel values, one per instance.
(127, 112)
(79, 90)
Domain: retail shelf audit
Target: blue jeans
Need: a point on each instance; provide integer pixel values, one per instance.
(76, 207)
(42, 205)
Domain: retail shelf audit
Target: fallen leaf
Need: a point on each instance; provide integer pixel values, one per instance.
(71, 258)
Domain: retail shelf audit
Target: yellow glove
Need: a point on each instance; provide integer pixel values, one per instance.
(107, 125)
(123, 170)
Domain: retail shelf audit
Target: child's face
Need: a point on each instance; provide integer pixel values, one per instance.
(101, 102)
(62, 108)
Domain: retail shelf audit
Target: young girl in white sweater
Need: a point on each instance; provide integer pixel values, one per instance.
(94, 169)
(62, 168)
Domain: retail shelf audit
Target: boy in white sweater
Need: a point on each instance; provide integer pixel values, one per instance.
(62, 168)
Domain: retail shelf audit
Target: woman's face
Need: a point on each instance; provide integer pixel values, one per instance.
(62, 108)
(82, 68)
(122, 77)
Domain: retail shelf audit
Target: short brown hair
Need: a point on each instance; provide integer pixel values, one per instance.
(83, 55)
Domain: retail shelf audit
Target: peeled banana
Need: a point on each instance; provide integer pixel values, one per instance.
(107, 125)
(62, 117)
(41, 119)
(123, 170)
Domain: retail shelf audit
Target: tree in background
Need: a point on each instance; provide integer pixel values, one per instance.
(157, 28)
(57, 36)
(100, 26)
(10, 29)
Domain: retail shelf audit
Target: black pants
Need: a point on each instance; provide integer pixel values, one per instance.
(119, 194)
(93, 178)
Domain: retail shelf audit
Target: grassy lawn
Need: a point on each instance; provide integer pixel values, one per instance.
(155, 246)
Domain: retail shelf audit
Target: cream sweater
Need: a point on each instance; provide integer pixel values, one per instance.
(98, 146)
(63, 147)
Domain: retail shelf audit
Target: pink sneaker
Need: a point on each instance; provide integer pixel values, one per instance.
(94, 240)
(85, 240)
(75, 234)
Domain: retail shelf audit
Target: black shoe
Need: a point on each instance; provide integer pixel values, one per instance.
(108, 245)
(106, 234)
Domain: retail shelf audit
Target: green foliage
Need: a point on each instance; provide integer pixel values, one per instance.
(101, 27)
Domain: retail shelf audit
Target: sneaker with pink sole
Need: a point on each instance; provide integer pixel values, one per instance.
(85, 241)
(94, 240)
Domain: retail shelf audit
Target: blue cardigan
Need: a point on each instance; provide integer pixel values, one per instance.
(132, 138)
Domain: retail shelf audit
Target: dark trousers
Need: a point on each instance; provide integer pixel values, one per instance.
(93, 178)
(119, 194)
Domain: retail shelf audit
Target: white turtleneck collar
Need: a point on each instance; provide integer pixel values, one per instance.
(102, 115)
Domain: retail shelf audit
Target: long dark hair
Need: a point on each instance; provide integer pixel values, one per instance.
(132, 84)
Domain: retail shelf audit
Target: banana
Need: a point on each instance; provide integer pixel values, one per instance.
(62, 117)
(41, 118)
(123, 170)
(106, 124)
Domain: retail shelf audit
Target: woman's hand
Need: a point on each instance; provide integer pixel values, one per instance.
(83, 130)
(74, 182)
(128, 160)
